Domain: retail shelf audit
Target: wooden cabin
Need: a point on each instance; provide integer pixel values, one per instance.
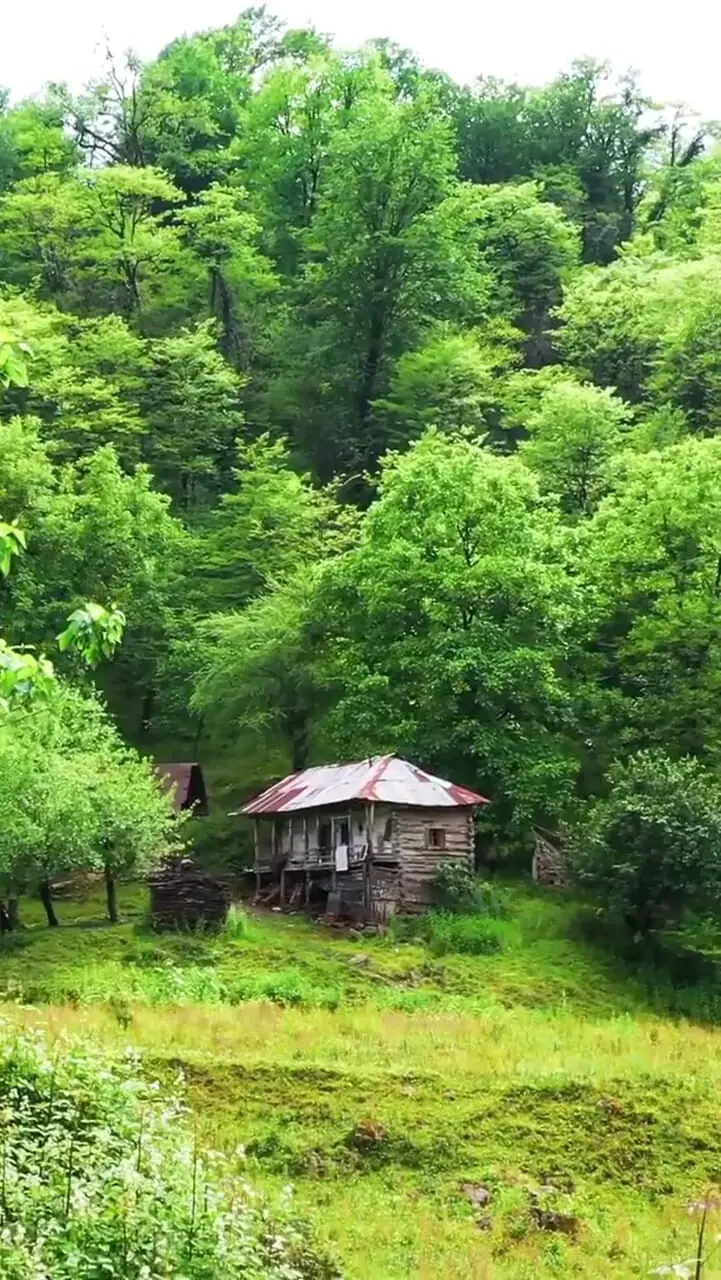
(363, 839)
(184, 784)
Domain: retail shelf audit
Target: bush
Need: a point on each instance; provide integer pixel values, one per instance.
(651, 849)
(100, 1179)
(458, 889)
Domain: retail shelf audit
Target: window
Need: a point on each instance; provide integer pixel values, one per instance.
(436, 838)
(342, 833)
(388, 833)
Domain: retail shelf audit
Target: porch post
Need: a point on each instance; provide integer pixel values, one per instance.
(334, 871)
(256, 857)
(306, 859)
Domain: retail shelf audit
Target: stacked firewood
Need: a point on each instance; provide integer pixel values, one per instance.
(184, 896)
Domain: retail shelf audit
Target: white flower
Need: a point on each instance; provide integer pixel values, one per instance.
(682, 1270)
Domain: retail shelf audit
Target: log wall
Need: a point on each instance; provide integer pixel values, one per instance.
(418, 859)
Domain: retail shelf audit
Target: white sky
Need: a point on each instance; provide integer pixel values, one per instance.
(675, 47)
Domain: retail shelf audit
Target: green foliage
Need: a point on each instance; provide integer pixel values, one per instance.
(192, 406)
(446, 932)
(269, 522)
(651, 848)
(102, 1176)
(237, 924)
(447, 626)
(94, 631)
(13, 362)
(12, 542)
(458, 889)
(583, 137)
(259, 681)
(449, 382)
(575, 432)
(389, 257)
(33, 140)
(649, 573)
(527, 246)
(74, 797)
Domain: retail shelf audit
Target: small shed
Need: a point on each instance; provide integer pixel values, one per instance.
(185, 784)
(549, 864)
(366, 837)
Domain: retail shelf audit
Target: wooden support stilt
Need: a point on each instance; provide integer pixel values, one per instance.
(334, 869)
(369, 862)
(306, 859)
(257, 857)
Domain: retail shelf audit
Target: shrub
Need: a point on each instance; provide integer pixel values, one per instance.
(651, 849)
(100, 1179)
(458, 889)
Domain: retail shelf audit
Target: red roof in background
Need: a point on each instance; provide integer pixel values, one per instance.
(385, 779)
(176, 780)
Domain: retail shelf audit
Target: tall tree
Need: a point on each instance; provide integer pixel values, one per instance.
(446, 627)
(97, 241)
(191, 404)
(574, 433)
(222, 235)
(584, 138)
(385, 260)
(528, 248)
(451, 381)
(650, 569)
(268, 523)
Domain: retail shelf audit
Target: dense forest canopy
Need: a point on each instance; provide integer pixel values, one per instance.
(386, 409)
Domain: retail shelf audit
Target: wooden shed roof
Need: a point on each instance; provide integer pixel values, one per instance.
(184, 783)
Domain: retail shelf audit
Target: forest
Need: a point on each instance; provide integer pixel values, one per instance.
(380, 413)
(348, 410)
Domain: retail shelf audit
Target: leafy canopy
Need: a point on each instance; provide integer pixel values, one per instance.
(651, 848)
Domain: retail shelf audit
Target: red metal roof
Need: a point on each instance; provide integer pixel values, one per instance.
(385, 779)
(183, 783)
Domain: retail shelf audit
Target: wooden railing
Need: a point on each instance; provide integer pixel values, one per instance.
(316, 859)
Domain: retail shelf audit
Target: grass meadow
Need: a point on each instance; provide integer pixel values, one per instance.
(382, 1079)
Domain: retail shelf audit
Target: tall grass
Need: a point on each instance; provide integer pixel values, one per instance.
(238, 927)
(445, 933)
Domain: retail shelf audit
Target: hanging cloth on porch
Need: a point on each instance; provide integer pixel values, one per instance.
(341, 857)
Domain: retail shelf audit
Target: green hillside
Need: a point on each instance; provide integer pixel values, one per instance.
(378, 1079)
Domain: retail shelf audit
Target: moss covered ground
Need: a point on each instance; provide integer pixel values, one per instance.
(380, 1080)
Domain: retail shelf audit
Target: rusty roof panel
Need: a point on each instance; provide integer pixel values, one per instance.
(183, 783)
(384, 779)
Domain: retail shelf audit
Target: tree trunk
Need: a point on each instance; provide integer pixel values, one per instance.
(46, 898)
(147, 711)
(299, 735)
(111, 896)
(13, 908)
